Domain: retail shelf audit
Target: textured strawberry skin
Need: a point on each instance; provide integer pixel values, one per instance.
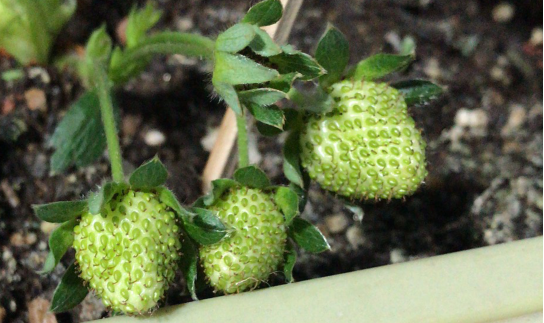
(255, 247)
(128, 253)
(368, 147)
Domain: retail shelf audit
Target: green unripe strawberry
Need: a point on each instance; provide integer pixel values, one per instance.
(128, 253)
(254, 249)
(367, 147)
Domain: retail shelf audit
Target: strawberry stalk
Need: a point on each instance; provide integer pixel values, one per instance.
(243, 154)
(106, 109)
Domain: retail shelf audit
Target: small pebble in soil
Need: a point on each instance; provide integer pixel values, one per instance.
(517, 117)
(2, 314)
(355, 237)
(154, 138)
(10, 194)
(336, 223)
(396, 256)
(36, 99)
(536, 37)
(38, 311)
(475, 120)
(503, 12)
(209, 139)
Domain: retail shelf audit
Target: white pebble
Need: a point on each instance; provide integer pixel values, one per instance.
(476, 118)
(503, 12)
(154, 138)
(354, 236)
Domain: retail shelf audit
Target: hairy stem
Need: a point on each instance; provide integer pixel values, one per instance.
(243, 154)
(101, 83)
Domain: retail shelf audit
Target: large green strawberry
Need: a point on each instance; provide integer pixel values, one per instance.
(256, 246)
(128, 252)
(367, 147)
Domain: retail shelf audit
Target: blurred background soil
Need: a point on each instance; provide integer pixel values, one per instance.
(485, 136)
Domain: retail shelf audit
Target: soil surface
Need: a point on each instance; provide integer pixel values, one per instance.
(484, 136)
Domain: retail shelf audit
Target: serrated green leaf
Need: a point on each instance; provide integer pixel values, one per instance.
(219, 186)
(291, 159)
(287, 201)
(289, 261)
(271, 115)
(332, 54)
(203, 226)
(167, 197)
(97, 50)
(317, 101)
(380, 65)
(264, 13)
(284, 82)
(267, 130)
(261, 96)
(59, 242)
(79, 138)
(262, 44)
(228, 93)
(139, 22)
(99, 199)
(293, 61)
(70, 292)
(418, 91)
(188, 264)
(235, 69)
(59, 212)
(301, 193)
(235, 38)
(307, 236)
(151, 174)
(251, 176)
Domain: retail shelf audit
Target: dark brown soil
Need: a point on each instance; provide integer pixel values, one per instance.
(485, 135)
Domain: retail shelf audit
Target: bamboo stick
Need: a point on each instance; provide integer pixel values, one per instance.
(222, 148)
(502, 282)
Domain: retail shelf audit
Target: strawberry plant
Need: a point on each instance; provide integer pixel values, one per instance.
(351, 134)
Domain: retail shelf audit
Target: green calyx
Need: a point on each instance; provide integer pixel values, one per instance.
(254, 249)
(367, 147)
(128, 252)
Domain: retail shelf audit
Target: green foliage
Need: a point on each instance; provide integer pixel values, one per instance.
(59, 242)
(203, 226)
(291, 159)
(149, 175)
(264, 13)
(418, 91)
(235, 38)
(287, 200)
(99, 199)
(270, 115)
(59, 212)
(294, 61)
(70, 292)
(188, 264)
(28, 28)
(289, 262)
(307, 236)
(380, 65)
(333, 54)
(252, 176)
(139, 22)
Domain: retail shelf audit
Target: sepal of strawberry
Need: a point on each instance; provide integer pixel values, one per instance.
(259, 217)
(127, 242)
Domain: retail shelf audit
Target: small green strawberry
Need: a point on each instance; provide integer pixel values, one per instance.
(367, 147)
(256, 246)
(128, 253)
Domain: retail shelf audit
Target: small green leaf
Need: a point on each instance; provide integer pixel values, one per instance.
(79, 138)
(251, 176)
(219, 186)
(235, 38)
(228, 93)
(59, 242)
(284, 82)
(307, 236)
(418, 91)
(289, 261)
(380, 65)
(263, 44)
(151, 174)
(167, 197)
(264, 13)
(261, 96)
(287, 200)
(59, 212)
(139, 22)
(333, 54)
(267, 130)
(293, 61)
(291, 159)
(271, 115)
(203, 226)
(70, 292)
(237, 69)
(98, 200)
(188, 264)
(317, 101)
(301, 193)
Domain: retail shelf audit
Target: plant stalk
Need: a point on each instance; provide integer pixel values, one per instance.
(106, 108)
(243, 151)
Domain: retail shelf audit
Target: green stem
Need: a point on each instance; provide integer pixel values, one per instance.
(243, 154)
(101, 82)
